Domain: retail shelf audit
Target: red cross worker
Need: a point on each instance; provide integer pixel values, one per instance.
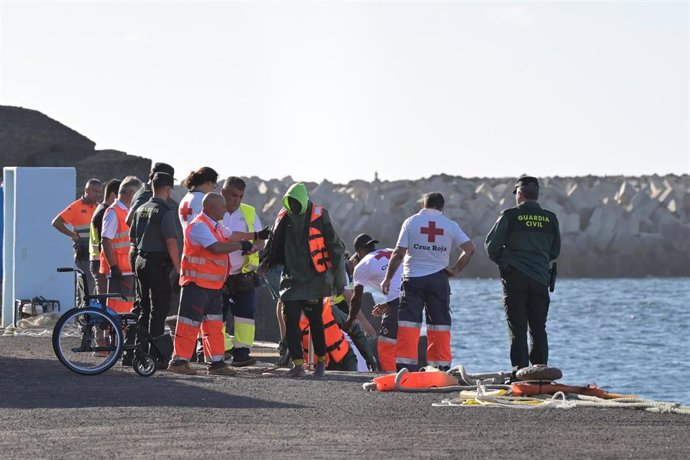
(424, 245)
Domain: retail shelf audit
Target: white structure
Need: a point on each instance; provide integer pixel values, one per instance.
(32, 248)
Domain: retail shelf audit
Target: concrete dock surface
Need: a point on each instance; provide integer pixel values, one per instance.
(46, 411)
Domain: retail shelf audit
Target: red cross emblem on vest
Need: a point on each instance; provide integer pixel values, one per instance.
(186, 211)
(431, 231)
(382, 254)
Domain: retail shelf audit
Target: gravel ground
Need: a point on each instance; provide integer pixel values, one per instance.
(49, 412)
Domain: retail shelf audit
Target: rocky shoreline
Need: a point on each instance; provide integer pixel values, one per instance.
(611, 226)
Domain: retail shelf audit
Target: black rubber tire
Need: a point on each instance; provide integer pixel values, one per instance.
(539, 372)
(97, 318)
(144, 364)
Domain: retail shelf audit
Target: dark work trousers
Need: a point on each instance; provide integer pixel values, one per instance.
(292, 312)
(101, 286)
(526, 304)
(153, 291)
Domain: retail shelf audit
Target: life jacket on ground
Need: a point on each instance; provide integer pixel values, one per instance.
(120, 244)
(336, 344)
(200, 265)
(531, 389)
(318, 253)
(416, 380)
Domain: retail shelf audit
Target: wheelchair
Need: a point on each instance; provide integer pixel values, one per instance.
(90, 338)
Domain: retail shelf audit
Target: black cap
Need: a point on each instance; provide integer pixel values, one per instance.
(161, 178)
(526, 181)
(164, 168)
(363, 240)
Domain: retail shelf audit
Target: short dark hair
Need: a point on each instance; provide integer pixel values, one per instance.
(112, 186)
(234, 182)
(92, 182)
(201, 176)
(530, 193)
(434, 200)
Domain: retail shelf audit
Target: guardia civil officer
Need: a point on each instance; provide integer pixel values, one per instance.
(425, 242)
(522, 242)
(153, 238)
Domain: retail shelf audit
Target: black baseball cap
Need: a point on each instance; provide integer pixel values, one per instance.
(161, 178)
(526, 181)
(363, 240)
(164, 168)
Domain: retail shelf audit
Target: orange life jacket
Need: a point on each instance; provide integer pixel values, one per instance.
(318, 252)
(336, 343)
(415, 380)
(120, 244)
(200, 265)
(529, 389)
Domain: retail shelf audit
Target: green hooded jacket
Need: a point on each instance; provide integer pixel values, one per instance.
(299, 280)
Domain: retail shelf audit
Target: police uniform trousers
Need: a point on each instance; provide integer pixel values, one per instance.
(388, 337)
(239, 308)
(153, 290)
(200, 308)
(526, 304)
(292, 312)
(431, 294)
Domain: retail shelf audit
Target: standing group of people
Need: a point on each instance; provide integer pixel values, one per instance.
(130, 243)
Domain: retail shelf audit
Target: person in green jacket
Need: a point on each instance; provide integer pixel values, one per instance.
(522, 242)
(305, 243)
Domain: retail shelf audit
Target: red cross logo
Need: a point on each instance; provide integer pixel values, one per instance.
(186, 211)
(431, 231)
(382, 254)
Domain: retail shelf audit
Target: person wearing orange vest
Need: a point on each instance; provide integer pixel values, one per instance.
(305, 243)
(339, 354)
(115, 241)
(205, 266)
(78, 216)
(425, 242)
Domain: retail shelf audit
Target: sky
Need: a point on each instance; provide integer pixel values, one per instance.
(341, 90)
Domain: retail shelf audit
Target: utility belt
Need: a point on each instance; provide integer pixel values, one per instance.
(242, 282)
(155, 257)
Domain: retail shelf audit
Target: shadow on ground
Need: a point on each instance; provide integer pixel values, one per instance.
(40, 383)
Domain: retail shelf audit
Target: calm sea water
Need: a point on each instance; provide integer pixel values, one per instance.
(629, 336)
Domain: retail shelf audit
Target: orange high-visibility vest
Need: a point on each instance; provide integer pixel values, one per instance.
(318, 253)
(120, 244)
(200, 265)
(336, 344)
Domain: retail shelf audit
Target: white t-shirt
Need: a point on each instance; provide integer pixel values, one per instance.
(371, 270)
(109, 226)
(429, 237)
(202, 235)
(235, 223)
(189, 208)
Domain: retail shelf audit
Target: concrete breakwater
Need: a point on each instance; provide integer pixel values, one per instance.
(611, 226)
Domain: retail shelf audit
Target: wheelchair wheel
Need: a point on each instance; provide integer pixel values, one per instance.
(144, 364)
(88, 341)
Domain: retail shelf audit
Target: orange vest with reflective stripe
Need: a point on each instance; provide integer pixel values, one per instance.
(318, 253)
(120, 243)
(200, 265)
(336, 343)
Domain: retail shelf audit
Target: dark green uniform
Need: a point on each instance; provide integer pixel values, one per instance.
(522, 242)
(153, 223)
